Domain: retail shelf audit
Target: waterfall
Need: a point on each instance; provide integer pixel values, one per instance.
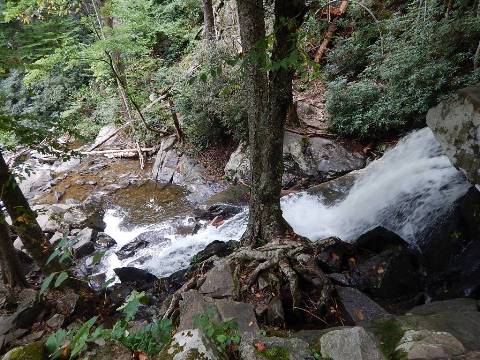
(405, 190)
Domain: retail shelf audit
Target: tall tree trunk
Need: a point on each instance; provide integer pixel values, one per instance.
(24, 220)
(209, 19)
(269, 98)
(12, 270)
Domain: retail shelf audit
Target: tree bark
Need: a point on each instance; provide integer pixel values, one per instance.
(24, 220)
(269, 98)
(12, 271)
(209, 20)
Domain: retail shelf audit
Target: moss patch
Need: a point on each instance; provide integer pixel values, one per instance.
(274, 353)
(389, 332)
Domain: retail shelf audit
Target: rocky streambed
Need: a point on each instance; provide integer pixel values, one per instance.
(390, 236)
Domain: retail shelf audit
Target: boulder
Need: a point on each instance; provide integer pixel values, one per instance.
(317, 159)
(235, 194)
(194, 304)
(350, 343)
(167, 286)
(56, 237)
(34, 351)
(105, 136)
(36, 181)
(274, 348)
(142, 279)
(216, 248)
(105, 241)
(226, 211)
(456, 125)
(219, 282)
(463, 325)
(173, 166)
(192, 344)
(379, 239)
(333, 191)
(452, 306)
(83, 247)
(79, 217)
(394, 275)
(427, 344)
(358, 306)
(452, 248)
(335, 255)
(140, 242)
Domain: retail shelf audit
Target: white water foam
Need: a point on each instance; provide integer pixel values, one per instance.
(406, 189)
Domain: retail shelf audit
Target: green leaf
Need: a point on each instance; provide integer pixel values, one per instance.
(53, 255)
(46, 283)
(221, 338)
(61, 278)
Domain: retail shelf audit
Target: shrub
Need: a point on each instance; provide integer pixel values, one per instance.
(389, 83)
(211, 99)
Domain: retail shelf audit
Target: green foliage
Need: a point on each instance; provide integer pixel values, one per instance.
(149, 339)
(379, 84)
(224, 333)
(211, 99)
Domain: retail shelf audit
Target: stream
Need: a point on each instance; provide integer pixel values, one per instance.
(405, 190)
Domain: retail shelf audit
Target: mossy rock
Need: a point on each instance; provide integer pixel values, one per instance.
(234, 195)
(34, 351)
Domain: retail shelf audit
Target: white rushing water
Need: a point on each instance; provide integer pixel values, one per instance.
(411, 185)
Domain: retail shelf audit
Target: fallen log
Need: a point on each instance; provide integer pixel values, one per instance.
(113, 151)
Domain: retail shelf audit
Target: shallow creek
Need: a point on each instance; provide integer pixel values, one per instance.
(405, 190)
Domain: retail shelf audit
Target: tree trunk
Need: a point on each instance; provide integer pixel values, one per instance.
(268, 101)
(12, 270)
(24, 220)
(209, 20)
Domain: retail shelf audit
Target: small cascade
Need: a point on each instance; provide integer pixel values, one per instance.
(405, 190)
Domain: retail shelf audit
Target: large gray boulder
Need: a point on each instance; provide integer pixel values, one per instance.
(456, 125)
(427, 344)
(350, 343)
(172, 166)
(317, 159)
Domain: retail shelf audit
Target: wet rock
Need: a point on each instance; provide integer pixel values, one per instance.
(226, 211)
(142, 279)
(105, 241)
(379, 239)
(350, 343)
(427, 344)
(235, 195)
(317, 159)
(35, 351)
(140, 242)
(358, 306)
(456, 125)
(219, 282)
(215, 248)
(79, 217)
(335, 255)
(393, 274)
(275, 348)
(452, 248)
(167, 286)
(333, 191)
(192, 344)
(83, 247)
